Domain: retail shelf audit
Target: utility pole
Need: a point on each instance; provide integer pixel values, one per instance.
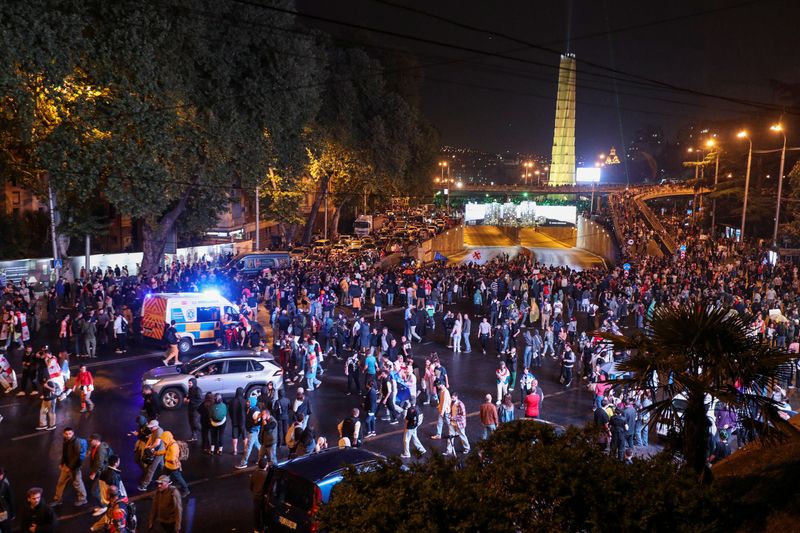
(779, 127)
(87, 262)
(258, 221)
(743, 135)
(52, 204)
(326, 213)
(714, 200)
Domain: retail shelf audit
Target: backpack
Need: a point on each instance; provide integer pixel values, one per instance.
(84, 448)
(183, 450)
(291, 437)
(131, 520)
(413, 421)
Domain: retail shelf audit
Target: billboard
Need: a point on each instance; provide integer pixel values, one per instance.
(523, 214)
(588, 175)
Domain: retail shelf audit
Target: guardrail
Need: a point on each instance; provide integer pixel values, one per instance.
(663, 192)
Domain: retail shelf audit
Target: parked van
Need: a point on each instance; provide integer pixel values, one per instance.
(197, 316)
(251, 264)
(295, 489)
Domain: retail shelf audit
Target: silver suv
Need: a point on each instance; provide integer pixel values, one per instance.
(218, 372)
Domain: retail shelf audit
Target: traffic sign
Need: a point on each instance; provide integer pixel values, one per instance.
(626, 267)
(58, 263)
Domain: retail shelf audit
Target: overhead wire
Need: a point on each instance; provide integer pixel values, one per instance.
(549, 50)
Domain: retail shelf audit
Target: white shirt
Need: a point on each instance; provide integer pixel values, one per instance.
(118, 325)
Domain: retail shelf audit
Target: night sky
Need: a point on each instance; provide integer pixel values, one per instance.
(496, 104)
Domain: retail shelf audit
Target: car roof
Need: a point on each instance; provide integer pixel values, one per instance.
(226, 354)
(317, 466)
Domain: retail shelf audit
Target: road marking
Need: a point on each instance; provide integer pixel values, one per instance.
(10, 405)
(30, 435)
(119, 360)
(149, 493)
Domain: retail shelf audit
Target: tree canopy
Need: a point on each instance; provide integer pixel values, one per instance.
(525, 478)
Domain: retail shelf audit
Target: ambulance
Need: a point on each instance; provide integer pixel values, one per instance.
(197, 317)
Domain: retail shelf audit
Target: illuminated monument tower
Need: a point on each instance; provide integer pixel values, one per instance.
(562, 162)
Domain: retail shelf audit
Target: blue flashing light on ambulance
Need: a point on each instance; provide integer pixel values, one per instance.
(197, 315)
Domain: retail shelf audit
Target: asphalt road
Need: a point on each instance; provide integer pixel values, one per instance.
(491, 241)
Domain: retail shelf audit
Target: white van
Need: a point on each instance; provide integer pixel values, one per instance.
(197, 316)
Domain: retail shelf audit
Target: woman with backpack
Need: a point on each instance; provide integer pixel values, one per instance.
(218, 416)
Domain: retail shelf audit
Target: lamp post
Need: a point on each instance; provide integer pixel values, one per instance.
(711, 144)
(443, 165)
(779, 128)
(743, 135)
(258, 222)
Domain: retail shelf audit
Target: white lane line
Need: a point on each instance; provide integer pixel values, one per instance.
(119, 360)
(30, 435)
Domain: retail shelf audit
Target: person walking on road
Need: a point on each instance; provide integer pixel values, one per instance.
(171, 336)
(73, 453)
(172, 463)
(7, 509)
(444, 411)
(489, 416)
(193, 400)
(85, 383)
(167, 508)
(413, 421)
(121, 333)
(458, 426)
(37, 516)
(503, 379)
(47, 411)
(257, 480)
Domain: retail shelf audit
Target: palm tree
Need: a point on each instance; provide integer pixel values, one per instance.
(701, 353)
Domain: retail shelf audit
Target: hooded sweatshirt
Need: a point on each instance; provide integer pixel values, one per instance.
(171, 451)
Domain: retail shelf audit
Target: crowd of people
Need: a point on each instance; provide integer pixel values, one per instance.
(323, 316)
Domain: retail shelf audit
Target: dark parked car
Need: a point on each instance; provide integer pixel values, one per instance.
(295, 489)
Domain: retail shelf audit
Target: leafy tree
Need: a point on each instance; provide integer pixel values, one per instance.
(190, 102)
(700, 354)
(791, 228)
(525, 478)
(367, 135)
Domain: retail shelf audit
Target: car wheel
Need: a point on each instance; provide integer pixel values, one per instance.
(253, 391)
(172, 398)
(184, 345)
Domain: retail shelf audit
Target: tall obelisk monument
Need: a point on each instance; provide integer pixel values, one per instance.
(562, 161)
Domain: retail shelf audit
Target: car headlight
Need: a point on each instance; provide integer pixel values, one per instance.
(150, 382)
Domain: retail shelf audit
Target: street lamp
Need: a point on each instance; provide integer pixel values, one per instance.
(443, 165)
(743, 135)
(711, 143)
(779, 128)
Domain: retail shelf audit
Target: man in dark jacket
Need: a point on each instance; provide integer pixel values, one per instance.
(36, 515)
(617, 426)
(194, 398)
(257, 480)
(268, 437)
(98, 461)
(282, 413)
(6, 502)
(237, 414)
(150, 406)
(71, 460)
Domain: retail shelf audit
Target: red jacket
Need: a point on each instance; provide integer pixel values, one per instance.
(84, 379)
